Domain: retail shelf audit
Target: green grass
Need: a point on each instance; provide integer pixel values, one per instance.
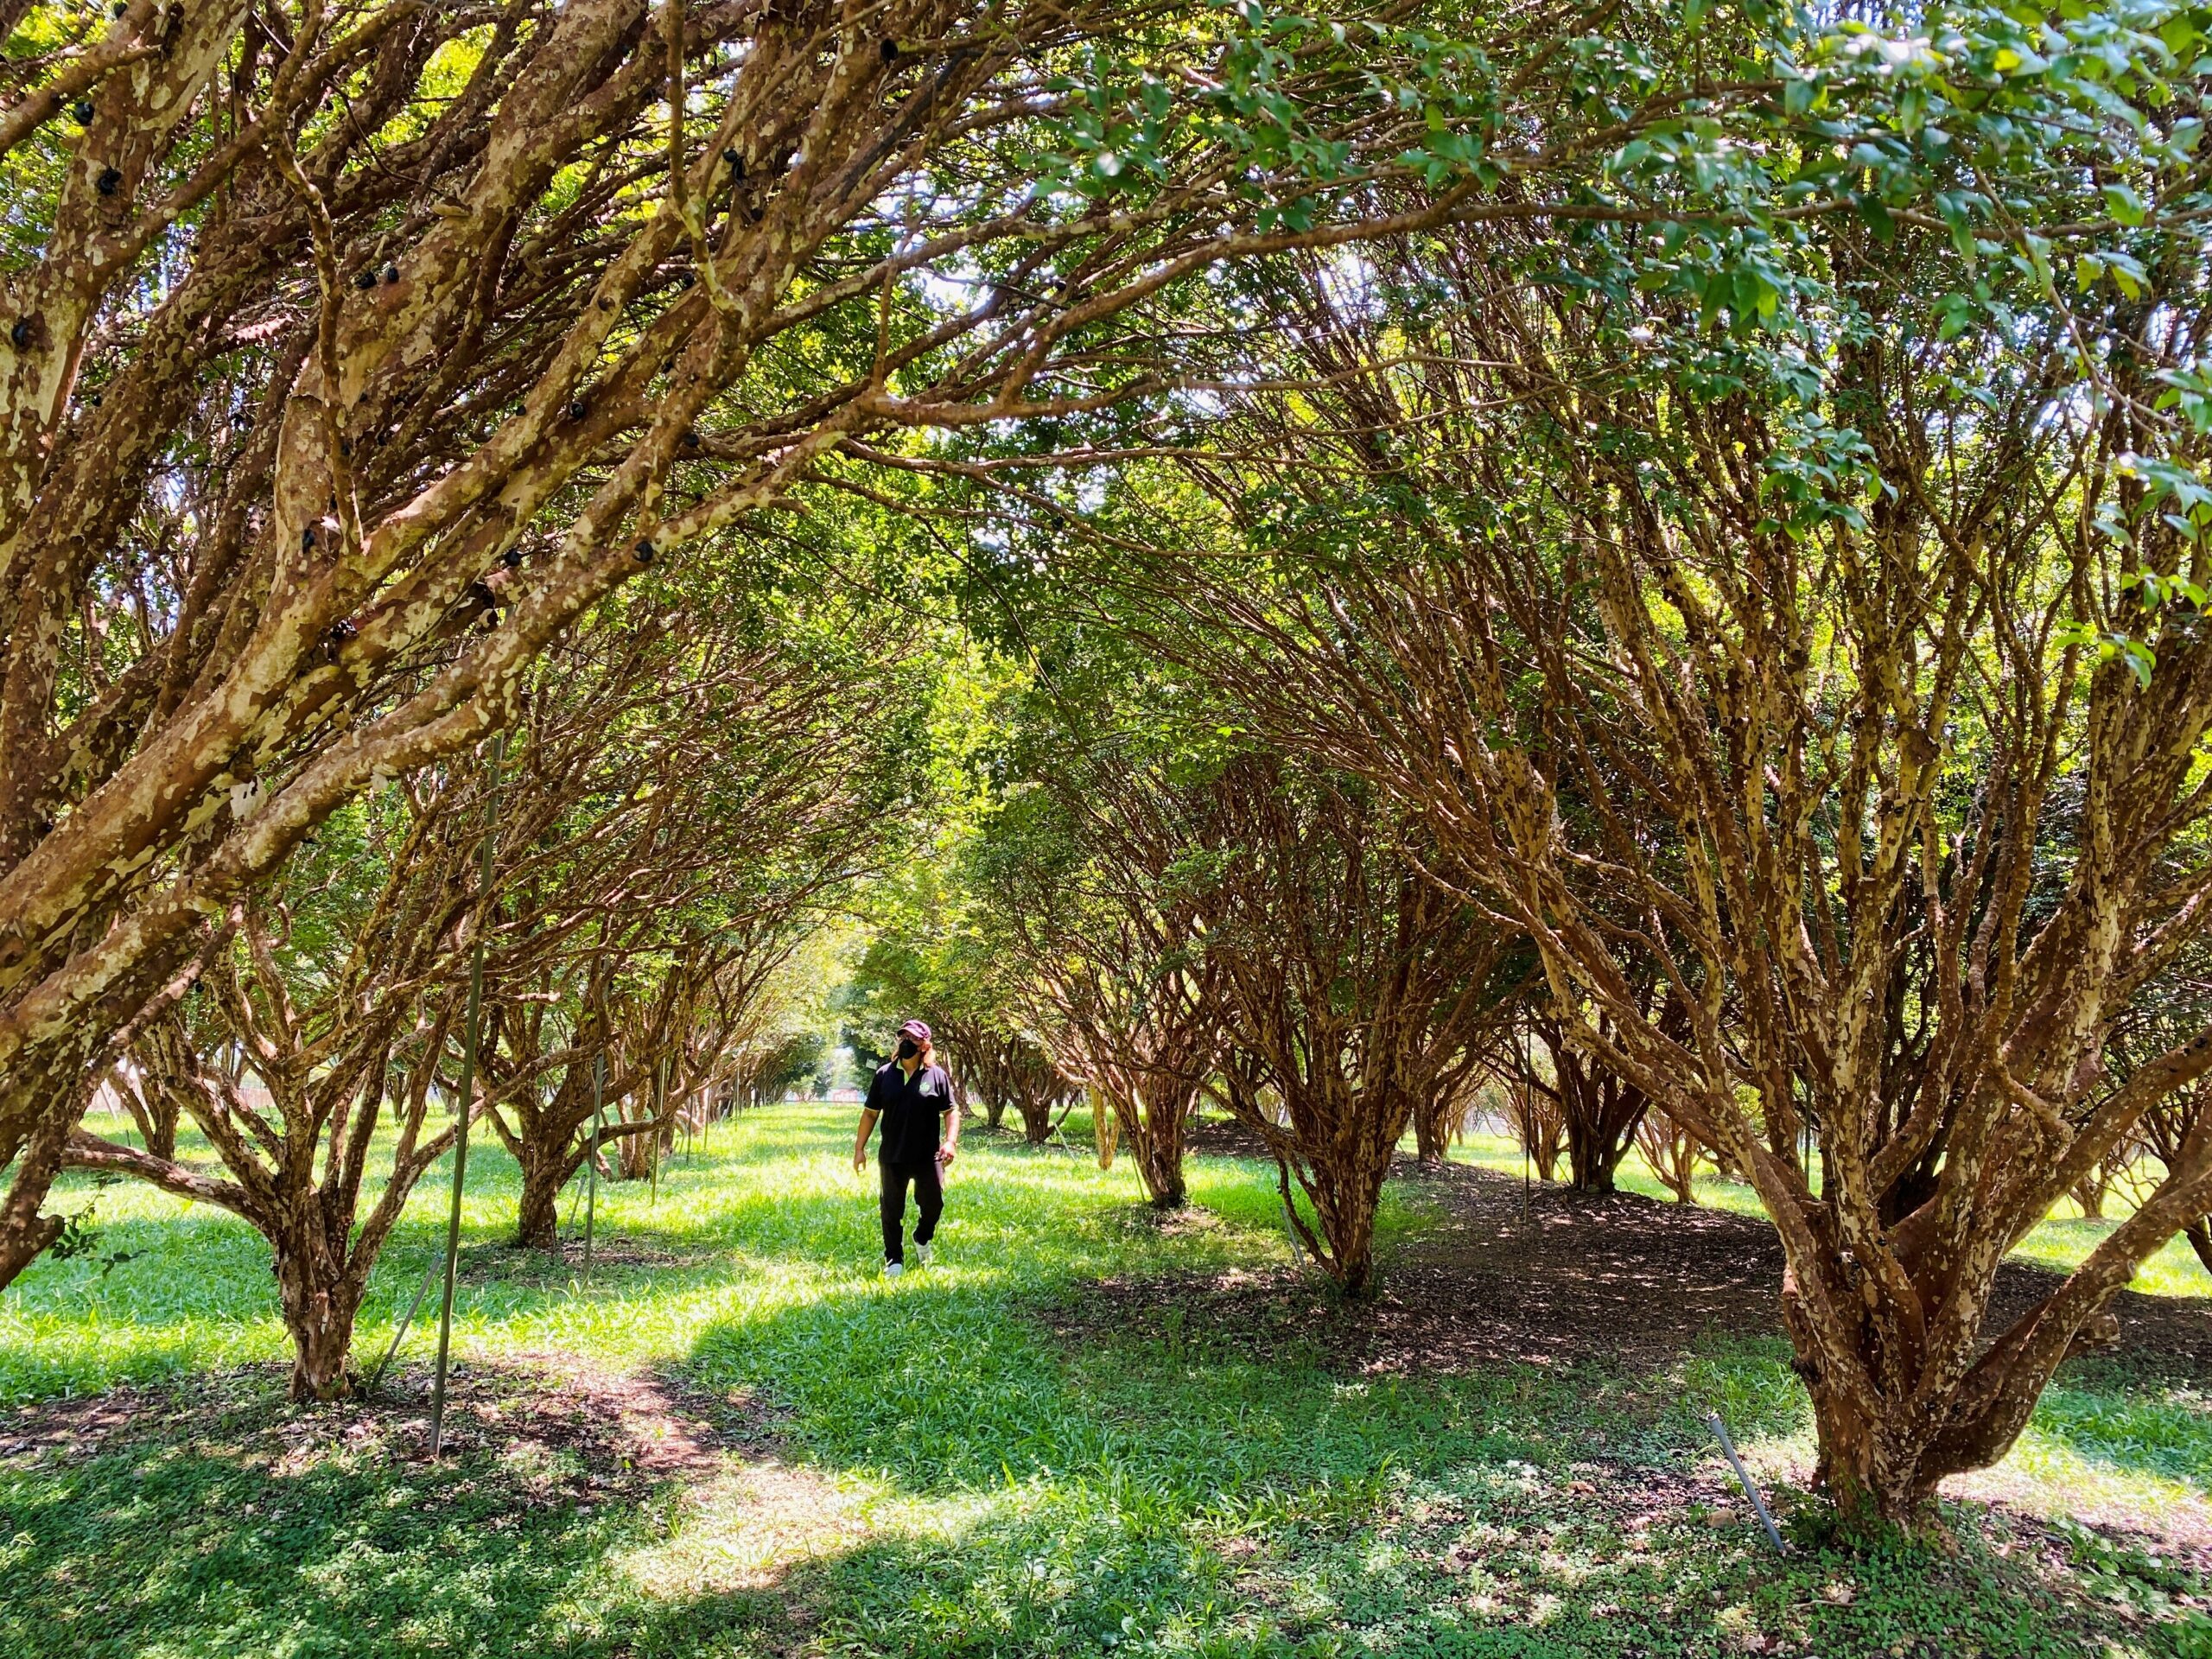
(956, 1479)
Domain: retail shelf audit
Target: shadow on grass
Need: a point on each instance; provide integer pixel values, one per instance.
(1158, 1493)
(1018, 1495)
(165, 1551)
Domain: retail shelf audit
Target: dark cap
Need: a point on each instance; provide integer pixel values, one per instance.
(915, 1029)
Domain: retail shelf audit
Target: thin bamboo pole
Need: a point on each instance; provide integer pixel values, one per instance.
(472, 1031)
(598, 1121)
(660, 1110)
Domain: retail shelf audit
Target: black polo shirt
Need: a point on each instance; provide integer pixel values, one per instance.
(909, 1109)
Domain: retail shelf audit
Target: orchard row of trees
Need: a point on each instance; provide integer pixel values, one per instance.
(1674, 536)
(1765, 669)
(638, 860)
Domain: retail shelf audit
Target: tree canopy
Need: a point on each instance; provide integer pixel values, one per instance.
(1272, 560)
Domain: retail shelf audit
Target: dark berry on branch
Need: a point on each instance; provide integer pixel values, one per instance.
(364, 278)
(645, 550)
(391, 272)
(82, 110)
(108, 180)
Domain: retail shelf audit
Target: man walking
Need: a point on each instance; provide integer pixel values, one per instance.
(910, 1094)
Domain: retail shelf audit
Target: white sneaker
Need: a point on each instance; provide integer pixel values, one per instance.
(922, 1254)
(892, 1269)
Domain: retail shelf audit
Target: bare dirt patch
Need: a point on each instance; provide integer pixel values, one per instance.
(1619, 1280)
(563, 1434)
(1225, 1137)
(1570, 1277)
(1604, 1518)
(1008, 1137)
(507, 1264)
(1147, 1220)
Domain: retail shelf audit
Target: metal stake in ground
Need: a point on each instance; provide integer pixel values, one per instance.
(471, 1030)
(591, 1192)
(400, 1335)
(1728, 1448)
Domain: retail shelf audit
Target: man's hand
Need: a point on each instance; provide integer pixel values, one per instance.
(944, 1155)
(859, 1159)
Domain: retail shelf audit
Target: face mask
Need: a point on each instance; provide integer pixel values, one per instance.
(908, 1048)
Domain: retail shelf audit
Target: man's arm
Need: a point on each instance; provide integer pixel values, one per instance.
(952, 1115)
(868, 1115)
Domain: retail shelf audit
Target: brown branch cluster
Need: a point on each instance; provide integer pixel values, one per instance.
(1824, 820)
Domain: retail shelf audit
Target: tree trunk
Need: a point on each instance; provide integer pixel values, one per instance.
(635, 1154)
(23, 1231)
(2089, 1191)
(158, 1129)
(1433, 1121)
(1873, 1481)
(1545, 1154)
(1160, 1168)
(154, 1111)
(537, 1222)
(1672, 1155)
(2199, 1235)
(1593, 1157)
(994, 1113)
(320, 1303)
(1868, 1487)
(1887, 1437)
(1538, 1124)
(1156, 1146)
(44, 1096)
(1601, 1112)
(1345, 1208)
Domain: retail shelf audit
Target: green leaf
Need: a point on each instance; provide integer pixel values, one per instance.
(2141, 659)
(2126, 206)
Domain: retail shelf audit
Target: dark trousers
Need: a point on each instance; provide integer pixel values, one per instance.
(929, 1198)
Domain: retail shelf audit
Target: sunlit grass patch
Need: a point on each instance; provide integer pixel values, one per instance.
(2064, 1242)
(937, 1472)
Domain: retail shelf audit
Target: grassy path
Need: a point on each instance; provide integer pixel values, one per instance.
(737, 1440)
